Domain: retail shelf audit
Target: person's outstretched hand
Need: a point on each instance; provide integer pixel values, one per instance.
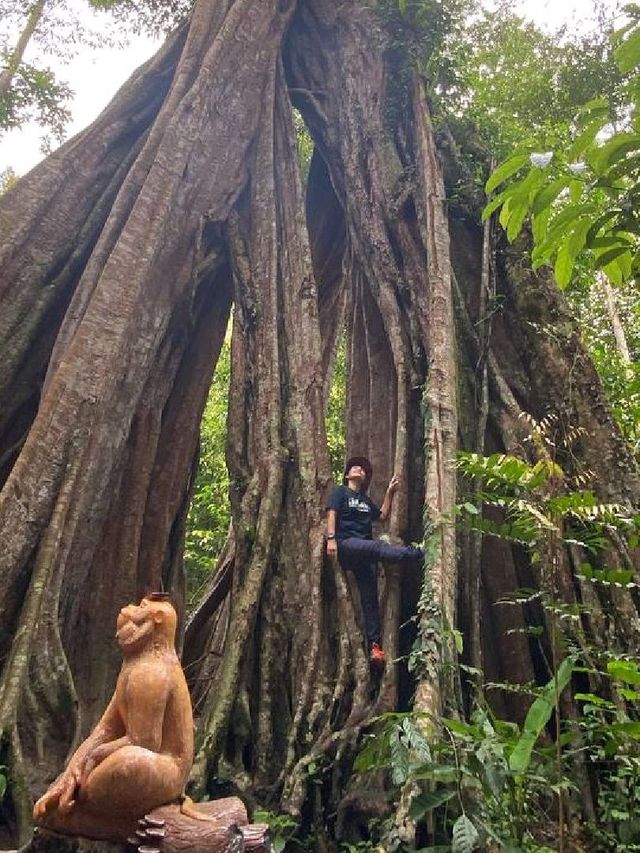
(394, 482)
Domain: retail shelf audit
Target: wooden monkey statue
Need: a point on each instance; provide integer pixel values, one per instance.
(138, 757)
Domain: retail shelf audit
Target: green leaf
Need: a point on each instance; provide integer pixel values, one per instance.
(628, 167)
(493, 205)
(505, 213)
(605, 258)
(464, 836)
(516, 220)
(539, 224)
(592, 699)
(500, 199)
(627, 55)
(547, 195)
(618, 146)
(458, 727)
(586, 138)
(596, 108)
(538, 716)
(437, 772)
(576, 188)
(629, 695)
(620, 268)
(597, 225)
(632, 729)
(429, 801)
(563, 266)
(624, 670)
(621, 576)
(505, 170)
(3, 785)
(565, 221)
(578, 238)
(399, 759)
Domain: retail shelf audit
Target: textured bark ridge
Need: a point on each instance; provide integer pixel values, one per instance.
(121, 256)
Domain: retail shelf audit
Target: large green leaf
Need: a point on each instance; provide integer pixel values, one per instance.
(539, 224)
(597, 108)
(613, 150)
(627, 55)
(557, 230)
(578, 238)
(624, 670)
(564, 266)
(547, 195)
(599, 223)
(499, 200)
(630, 728)
(399, 759)
(428, 801)
(516, 219)
(610, 255)
(576, 189)
(538, 716)
(465, 836)
(629, 167)
(506, 170)
(585, 139)
(505, 213)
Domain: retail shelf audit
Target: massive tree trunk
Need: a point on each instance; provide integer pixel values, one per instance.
(122, 254)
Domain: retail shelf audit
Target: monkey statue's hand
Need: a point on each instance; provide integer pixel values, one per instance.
(98, 755)
(61, 795)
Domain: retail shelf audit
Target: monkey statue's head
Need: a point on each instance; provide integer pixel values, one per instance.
(152, 623)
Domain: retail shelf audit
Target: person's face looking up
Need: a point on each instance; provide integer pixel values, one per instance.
(356, 472)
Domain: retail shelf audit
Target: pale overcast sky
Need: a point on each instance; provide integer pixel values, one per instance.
(95, 75)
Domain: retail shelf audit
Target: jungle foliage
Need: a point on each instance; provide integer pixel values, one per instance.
(579, 198)
(488, 781)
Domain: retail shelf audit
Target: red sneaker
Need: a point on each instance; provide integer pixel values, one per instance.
(376, 655)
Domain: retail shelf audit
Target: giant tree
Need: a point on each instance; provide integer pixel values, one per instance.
(122, 254)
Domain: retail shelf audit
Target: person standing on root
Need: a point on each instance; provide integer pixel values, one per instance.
(350, 515)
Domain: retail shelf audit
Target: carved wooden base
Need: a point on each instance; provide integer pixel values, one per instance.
(219, 826)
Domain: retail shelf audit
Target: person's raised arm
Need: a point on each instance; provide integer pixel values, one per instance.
(385, 509)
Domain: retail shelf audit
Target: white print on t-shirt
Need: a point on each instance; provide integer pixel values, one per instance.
(357, 503)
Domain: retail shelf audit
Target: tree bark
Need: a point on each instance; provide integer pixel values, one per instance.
(122, 254)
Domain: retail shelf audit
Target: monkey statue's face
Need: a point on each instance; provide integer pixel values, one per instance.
(138, 623)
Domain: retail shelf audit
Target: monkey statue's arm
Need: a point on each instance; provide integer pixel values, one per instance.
(148, 691)
(61, 794)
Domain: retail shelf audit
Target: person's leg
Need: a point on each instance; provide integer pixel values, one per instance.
(366, 575)
(374, 549)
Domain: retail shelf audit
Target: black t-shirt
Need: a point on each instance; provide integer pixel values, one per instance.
(355, 512)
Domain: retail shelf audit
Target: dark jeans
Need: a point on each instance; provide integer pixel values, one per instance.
(361, 557)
